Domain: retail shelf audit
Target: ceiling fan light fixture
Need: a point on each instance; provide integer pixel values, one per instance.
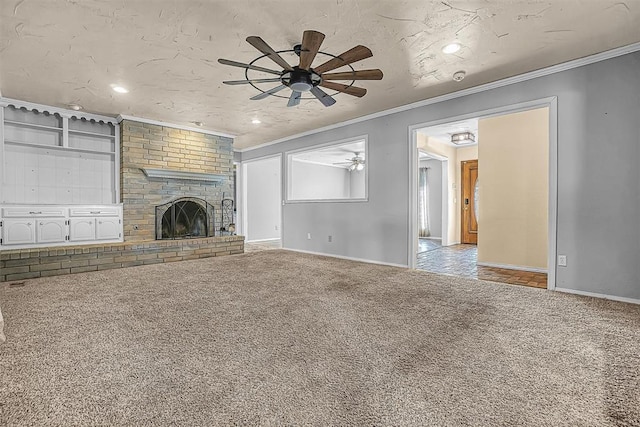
(463, 138)
(352, 167)
(360, 166)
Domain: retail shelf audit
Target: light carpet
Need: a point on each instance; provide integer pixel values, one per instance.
(281, 338)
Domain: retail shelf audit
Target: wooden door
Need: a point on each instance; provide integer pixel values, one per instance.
(469, 230)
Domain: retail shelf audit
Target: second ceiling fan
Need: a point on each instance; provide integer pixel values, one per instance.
(303, 77)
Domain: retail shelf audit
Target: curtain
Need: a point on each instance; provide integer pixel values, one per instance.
(423, 203)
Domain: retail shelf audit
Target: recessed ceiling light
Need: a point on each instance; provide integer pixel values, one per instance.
(75, 107)
(200, 124)
(119, 89)
(256, 121)
(451, 48)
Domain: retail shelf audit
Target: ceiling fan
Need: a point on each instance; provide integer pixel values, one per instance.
(356, 163)
(303, 78)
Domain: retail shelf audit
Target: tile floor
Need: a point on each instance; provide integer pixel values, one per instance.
(456, 260)
(460, 260)
(262, 245)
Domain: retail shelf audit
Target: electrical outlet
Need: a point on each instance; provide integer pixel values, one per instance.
(308, 236)
(330, 238)
(562, 260)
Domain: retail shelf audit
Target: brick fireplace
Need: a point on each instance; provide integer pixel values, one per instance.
(186, 164)
(163, 148)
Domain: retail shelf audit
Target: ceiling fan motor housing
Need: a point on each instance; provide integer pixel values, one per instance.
(300, 80)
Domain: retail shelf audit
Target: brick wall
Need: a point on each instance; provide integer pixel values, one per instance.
(23, 264)
(159, 147)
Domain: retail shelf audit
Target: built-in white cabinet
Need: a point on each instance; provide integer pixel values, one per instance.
(52, 156)
(82, 229)
(18, 232)
(42, 225)
(51, 230)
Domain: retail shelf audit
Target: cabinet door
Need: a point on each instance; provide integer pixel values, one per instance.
(82, 229)
(108, 228)
(18, 231)
(51, 230)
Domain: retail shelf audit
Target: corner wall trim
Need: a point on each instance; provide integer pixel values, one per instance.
(122, 117)
(512, 267)
(580, 62)
(368, 261)
(597, 295)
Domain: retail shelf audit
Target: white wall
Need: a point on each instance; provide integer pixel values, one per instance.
(262, 183)
(312, 181)
(435, 195)
(598, 203)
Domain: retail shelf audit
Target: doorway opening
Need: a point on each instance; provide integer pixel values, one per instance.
(261, 207)
(499, 211)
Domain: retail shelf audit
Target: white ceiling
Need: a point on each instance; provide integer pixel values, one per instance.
(443, 132)
(59, 52)
(336, 155)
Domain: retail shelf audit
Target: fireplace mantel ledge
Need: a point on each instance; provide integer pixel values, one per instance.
(178, 174)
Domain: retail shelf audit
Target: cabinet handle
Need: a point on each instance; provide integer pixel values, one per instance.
(35, 213)
(95, 212)
(99, 222)
(29, 223)
(42, 223)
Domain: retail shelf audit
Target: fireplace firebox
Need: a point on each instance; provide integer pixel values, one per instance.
(184, 218)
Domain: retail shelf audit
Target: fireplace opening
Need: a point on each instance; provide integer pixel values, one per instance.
(184, 218)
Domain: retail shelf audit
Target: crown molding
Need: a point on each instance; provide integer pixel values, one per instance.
(55, 110)
(122, 117)
(580, 62)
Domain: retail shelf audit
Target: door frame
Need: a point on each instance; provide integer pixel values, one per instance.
(444, 240)
(549, 102)
(462, 204)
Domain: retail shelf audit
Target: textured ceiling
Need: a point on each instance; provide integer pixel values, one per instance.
(59, 52)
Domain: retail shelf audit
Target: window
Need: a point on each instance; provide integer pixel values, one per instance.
(329, 173)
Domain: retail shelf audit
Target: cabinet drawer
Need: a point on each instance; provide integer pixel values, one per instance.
(34, 212)
(94, 211)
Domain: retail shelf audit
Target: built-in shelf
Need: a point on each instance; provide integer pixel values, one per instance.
(84, 132)
(57, 147)
(178, 174)
(33, 125)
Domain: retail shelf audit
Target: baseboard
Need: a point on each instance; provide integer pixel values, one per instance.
(431, 238)
(597, 295)
(513, 267)
(262, 240)
(368, 261)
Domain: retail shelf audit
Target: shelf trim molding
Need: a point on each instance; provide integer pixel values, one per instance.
(182, 175)
(4, 102)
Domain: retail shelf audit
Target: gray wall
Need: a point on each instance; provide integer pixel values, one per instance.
(435, 196)
(263, 185)
(314, 181)
(598, 177)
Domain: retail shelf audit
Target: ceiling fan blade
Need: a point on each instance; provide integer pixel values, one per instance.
(294, 99)
(326, 100)
(251, 67)
(267, 93)
(243, 82)
(311, 41)
(351, 90)
(352, 55)
(354, 75)
(263, 47)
